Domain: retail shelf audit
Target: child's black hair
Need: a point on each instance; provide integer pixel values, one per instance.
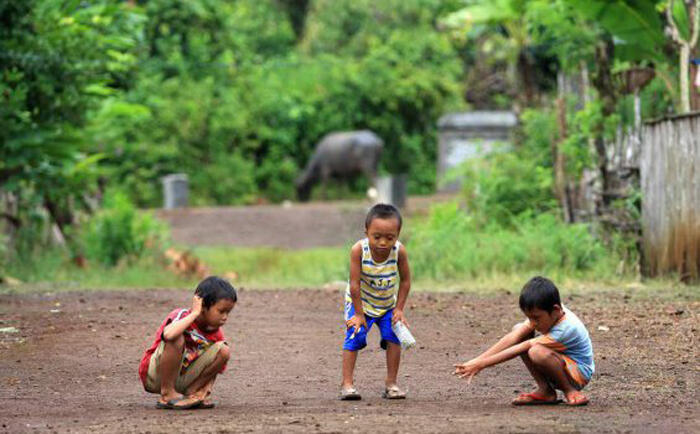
(539, 292)
(383, 211)
(214, 288)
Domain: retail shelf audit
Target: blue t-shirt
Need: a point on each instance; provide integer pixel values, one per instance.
(570, 337)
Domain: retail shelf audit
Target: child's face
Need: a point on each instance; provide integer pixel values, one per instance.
(217, 314)
(542, 320)
(382, 235)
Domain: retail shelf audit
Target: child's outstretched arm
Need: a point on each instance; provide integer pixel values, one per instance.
(357, 320)
(469, 369)
(177, 328)
(404, 286)
(520, 333)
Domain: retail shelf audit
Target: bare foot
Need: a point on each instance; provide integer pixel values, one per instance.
(537, 397)
(576, 398)
(164, 399)
(207, 403)
(547, 393)
(203, 392)
(188, 402)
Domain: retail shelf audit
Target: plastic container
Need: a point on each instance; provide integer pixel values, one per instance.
(404, 334)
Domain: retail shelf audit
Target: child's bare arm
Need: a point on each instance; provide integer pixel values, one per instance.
(469, 369)
(519, 333)
(404, 286)
(358, 319)
(175, 329)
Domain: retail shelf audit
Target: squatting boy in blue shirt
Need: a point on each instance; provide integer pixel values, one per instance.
(559, 357)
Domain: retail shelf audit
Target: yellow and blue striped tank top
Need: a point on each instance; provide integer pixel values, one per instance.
(379, 282)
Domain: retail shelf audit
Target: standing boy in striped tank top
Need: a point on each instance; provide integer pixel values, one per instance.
(380, 280)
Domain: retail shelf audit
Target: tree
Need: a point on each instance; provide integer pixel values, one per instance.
(686, 43)
(58, 62)
(510, 32)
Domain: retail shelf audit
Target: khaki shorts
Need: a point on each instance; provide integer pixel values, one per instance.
(183, 380)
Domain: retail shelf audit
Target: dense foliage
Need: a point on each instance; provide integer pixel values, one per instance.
(113, 94)
(59, 61)
(453, 245)
(213, 89)
(238, 104)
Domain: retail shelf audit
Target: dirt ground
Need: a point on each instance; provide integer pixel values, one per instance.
(72, 367)
(294, 226)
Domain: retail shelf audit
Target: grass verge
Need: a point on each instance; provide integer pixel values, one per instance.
(268, 268)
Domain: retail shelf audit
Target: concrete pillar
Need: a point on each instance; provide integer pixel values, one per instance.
(392, 189)
(175, 190)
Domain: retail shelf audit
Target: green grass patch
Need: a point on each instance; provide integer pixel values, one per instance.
(268, 268)
(255, 267)
(451, 245)
(278, 268)
(448, 251)
(53, 270)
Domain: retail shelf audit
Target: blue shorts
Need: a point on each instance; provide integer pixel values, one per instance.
(360, 339)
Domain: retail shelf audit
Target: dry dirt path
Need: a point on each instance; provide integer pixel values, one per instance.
(296, 226)
(75, 370)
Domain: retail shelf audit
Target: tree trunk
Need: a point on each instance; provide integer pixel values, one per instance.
(686, 47)
(62, 216)
(684, 66)
(525, 66)
(603, 83)
(560, 182)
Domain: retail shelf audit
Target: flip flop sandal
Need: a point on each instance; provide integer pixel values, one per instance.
(350, 394)
(167, 405)
(393, 392)
(534, 399)
(579, 400)
(207, 405)
(190, 406)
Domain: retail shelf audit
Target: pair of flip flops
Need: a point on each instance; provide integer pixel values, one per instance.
(537, 399)
(172, 405)
(351, 394)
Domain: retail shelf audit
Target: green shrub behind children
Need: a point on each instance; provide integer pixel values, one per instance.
(119, 231)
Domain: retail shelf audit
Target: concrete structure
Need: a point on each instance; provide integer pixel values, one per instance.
(466, 135)
(175, 190)
(392, 189)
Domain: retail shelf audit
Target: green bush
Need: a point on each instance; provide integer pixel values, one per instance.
(228, 180)
(119, 232)
(502, 185)
(510, 180)
(451, 244)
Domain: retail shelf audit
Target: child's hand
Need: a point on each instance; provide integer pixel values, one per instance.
(356, 322)
(468, 370)
(197, 304)
(398, 316)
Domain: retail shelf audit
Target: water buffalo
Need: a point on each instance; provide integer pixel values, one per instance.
(341, 155)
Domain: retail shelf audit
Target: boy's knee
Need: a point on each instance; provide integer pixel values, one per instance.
(225, 353)
(538, 353)
(178, 342)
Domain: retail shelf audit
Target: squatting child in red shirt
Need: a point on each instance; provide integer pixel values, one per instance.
(189, 350)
